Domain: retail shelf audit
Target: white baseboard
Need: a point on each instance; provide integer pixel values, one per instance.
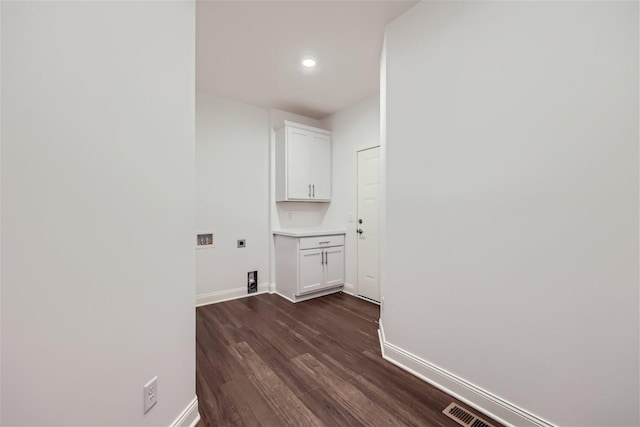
(349, 289)
(300, 298)
(495, 407)
(284, 296)
(228, 295)
(272, 288)
(189, 417)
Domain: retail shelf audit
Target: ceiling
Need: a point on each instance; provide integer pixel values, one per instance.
(251, 51)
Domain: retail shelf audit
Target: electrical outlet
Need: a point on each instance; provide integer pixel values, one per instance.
(150, 394)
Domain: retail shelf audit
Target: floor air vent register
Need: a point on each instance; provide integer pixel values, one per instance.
(464, 417)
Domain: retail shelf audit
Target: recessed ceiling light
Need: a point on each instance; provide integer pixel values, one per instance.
(309, 62)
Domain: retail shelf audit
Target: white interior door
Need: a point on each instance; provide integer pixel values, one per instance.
(368, 254)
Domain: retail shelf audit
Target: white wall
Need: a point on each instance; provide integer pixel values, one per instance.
(511, 254)
(382, 195)
(354, 128)
(235, 194)
(232, 193)
(0, 216)
(97, 211)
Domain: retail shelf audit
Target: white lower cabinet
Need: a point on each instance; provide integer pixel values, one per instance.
(320, 269)
(311, 270)
(334, 266)
(309, 266)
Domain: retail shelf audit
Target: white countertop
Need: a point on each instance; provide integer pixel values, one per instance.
(308, 232)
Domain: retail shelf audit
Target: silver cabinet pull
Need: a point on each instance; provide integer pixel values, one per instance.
(309, 190)
(314, 190)
(326, 258)
(322, 257)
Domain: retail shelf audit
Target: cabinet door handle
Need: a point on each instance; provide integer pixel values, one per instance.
(309, 190)
(326, 257)
(314, 190)
(322, 257)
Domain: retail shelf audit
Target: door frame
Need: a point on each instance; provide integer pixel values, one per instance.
(355, 290)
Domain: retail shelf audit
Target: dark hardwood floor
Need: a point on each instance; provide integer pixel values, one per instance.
(264, 361)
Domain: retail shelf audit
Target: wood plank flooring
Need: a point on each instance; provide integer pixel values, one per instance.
(264, 361)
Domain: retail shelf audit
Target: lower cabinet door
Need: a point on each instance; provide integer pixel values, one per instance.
(334, 266)
(311, 274)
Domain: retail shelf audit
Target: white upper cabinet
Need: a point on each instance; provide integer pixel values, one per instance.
(303, 163)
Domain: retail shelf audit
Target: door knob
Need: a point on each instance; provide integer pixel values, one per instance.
(359, 221)
(359, 230)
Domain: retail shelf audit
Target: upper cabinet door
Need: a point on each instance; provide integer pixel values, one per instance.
(303, 164)
(320, 166)
(298, 155)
